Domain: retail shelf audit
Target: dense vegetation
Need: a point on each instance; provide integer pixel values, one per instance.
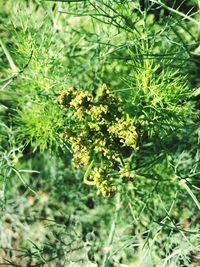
(99, 133)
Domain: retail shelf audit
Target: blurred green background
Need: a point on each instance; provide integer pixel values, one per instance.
(148, 53)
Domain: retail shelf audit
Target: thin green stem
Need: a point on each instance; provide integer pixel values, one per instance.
(112, 231)
(184, 183)
(8, 56)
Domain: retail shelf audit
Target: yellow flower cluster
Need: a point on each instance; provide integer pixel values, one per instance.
(123, 128)
(125, 173)
(79, 146)
(65, 97)
(99, 129)
(103, 181)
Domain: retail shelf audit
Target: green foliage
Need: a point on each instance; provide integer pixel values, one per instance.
(139, 138)
(41, 124)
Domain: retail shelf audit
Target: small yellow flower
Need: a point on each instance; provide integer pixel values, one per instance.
(80, 159)
(81, 99)
(65, 97)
